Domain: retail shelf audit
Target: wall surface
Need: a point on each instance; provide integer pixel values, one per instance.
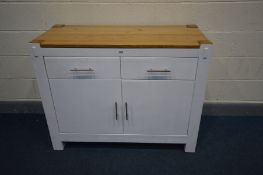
(235, 27)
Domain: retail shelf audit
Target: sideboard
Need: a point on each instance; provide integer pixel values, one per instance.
(122, 83)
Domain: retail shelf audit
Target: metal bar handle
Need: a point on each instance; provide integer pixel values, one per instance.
(116, 110)
(82, 70)
(126, 108)
(156, 70)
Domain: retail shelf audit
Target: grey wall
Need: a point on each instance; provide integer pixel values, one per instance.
(235, 27)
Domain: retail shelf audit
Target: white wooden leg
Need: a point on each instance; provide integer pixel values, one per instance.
(58, 145)
(190, 147)
(198, 96)
(44, 89)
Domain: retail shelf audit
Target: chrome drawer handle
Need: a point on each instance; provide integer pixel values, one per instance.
(82, 70)
(155, 70)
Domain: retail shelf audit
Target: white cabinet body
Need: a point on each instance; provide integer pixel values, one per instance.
(122, 95)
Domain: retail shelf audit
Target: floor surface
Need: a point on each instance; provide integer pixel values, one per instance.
(226, 145)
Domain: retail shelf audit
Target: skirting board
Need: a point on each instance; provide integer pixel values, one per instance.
(209, 109)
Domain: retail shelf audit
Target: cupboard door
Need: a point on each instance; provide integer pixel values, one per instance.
(87, 106)
(157, 107)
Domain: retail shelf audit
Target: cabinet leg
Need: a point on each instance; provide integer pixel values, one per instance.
(58, 145)
(190, 147)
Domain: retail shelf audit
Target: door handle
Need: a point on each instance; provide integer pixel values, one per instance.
(116, 110)
(126, 108)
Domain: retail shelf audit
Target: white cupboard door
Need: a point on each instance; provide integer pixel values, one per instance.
(87, 106)
(157, 107)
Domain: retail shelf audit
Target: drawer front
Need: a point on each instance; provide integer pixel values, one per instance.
(158, 68)
(83, 67)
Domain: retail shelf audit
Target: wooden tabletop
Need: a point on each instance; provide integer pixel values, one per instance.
(76, 36)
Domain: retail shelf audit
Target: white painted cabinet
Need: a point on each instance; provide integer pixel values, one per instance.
(129, 96)
(122, 83)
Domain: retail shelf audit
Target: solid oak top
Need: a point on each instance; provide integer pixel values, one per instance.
(80, 36)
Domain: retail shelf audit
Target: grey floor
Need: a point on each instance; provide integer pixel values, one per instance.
(226, 145)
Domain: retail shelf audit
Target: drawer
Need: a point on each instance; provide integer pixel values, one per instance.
(83, 67)
(158, 68)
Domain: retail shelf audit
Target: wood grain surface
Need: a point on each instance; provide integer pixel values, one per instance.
(73, 36)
